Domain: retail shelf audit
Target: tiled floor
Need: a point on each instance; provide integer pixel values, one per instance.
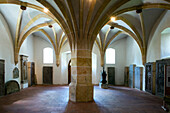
(54, 99)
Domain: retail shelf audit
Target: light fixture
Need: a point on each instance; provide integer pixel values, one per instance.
(46, 10)
(112, 27)
(113, 19)
(139, 11)
(23, 7)
(50, 26)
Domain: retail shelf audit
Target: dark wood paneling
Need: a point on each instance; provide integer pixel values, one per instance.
(47, 75)
(111, 75)
(33, 79)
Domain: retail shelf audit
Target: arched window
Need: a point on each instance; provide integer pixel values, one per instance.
(48, 55)
(110, 56)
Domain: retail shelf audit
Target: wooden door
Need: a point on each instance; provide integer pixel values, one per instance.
(2, 77)
(111, 75)
(47, 75)
(69, 72)
(32, 73)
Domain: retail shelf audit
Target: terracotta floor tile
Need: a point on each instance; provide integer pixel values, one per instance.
(55, 99)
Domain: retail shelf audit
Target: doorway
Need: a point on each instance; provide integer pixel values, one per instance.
(47, 75)
(2, 78)
(111, 75)
(69, 72)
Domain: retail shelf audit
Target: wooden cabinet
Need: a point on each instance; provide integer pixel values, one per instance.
(150, 77)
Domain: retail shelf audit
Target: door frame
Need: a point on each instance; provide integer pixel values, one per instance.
(69, 72)
(108, 75)
(43, 75)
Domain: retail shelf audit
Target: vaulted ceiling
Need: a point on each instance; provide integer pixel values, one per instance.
(83, 22)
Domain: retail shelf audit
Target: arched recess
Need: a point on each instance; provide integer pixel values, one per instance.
(165, 41)
(54, 15)
(126, 31)
(102, 23)
(154, 50)
(29, 33)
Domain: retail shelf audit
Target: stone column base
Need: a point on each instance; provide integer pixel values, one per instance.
(24, 85)
(80, 92)
(104, 86)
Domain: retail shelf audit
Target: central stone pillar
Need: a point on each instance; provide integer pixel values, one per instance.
(81, 88)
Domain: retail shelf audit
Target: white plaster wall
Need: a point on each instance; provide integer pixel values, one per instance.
(165, 45)
(120, 59)
(133, 53)
(94, 68)
(154, 48)
(96, 75)
(27, 48)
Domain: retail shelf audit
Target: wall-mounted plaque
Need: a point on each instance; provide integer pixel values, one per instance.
(15, 72)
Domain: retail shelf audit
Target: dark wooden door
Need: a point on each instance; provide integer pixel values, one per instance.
(2, 77)
(32, 73)
(47, 75)
(111, 75)
(69, 72)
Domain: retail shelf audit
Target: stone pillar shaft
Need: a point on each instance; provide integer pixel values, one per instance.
(81, 88)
